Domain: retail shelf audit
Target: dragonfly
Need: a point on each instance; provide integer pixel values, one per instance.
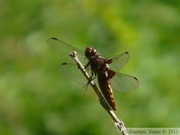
(104, 70)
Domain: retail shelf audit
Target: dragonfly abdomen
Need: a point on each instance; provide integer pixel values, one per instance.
(106, 89)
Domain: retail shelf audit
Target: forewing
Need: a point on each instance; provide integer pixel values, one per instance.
(64, 49)
(123, 82)
(119, 61)
(71, 71)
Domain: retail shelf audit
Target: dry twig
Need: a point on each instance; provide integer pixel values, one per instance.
(118, 123)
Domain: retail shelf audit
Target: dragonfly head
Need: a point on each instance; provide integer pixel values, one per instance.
(89, 52)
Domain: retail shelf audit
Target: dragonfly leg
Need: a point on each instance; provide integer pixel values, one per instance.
(91, 78)
(87, 65)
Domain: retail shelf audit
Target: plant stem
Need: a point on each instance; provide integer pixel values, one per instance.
(118, 123)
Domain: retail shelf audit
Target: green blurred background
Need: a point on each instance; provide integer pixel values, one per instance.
(36, 99)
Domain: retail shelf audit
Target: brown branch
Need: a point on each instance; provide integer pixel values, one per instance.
(118, 123)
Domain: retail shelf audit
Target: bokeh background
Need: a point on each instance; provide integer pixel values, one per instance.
(36, 99)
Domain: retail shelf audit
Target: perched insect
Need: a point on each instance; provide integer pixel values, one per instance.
(107, 77)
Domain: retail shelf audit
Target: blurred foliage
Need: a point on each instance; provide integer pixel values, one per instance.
(36, 99)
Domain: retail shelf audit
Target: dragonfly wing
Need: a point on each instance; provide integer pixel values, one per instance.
(72, 72)
(123, 82)
(64, 49)
(119, 61)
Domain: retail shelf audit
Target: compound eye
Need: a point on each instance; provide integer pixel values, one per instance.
(88, 52)
(94, 52)
(88, 49)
